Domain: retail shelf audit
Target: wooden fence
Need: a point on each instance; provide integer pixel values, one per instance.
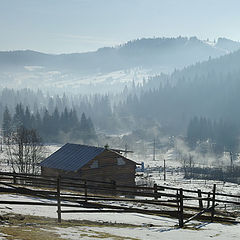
(80, 195)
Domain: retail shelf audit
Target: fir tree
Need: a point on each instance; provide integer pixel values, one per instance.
(18, 118)
(7, 123)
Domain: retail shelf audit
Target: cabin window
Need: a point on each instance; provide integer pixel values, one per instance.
(94, 164)
(120, 161)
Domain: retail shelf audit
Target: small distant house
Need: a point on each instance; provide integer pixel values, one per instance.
(91, 163)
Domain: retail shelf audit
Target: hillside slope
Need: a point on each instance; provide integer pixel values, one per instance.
(146, 53)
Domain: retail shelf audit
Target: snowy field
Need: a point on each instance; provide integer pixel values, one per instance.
(36, 77)
(137, 226)
(143, 226)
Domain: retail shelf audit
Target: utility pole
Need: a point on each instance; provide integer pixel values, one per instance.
(1, 146)
(154, 146)
(164, 170)
(126, 148)
(190, 164)
(231, 159)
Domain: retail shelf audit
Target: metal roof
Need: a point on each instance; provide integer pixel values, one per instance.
(71, 157)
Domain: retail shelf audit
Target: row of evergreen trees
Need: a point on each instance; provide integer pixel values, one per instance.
(96, 106)
(56, 127)
(222, 136)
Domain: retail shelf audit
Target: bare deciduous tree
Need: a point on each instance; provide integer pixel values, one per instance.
(25, 150)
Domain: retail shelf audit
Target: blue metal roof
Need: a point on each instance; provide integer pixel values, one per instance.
(71, 157)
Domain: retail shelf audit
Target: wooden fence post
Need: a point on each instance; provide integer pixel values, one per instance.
(59, 198)
(208, 201)
(180, 208)
(200, 200)
(14, 178)
(85, 190)
(213, 202)
(155, 191)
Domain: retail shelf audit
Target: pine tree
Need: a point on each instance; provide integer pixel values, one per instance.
(18, 118)
(46, 124)
(87, 130)
(64, 120)
(56, 121)
(7, 123)
(27, 119)
(193, 132)
(83, 123)
(91, 128)
(37, 123)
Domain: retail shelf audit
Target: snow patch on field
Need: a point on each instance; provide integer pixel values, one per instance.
(204, 231)
(146, 227)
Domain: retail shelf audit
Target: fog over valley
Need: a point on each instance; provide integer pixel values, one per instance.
(140, 95)
(107, 69)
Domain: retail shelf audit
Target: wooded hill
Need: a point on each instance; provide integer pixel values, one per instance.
(209, 89)
(147, 53)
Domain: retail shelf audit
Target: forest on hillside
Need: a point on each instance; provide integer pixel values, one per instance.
(179, 104)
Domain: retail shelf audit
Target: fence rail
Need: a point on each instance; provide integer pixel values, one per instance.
(96, 195)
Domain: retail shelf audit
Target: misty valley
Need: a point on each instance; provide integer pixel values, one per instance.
(148, 95)
(143, 132)
(119, 120)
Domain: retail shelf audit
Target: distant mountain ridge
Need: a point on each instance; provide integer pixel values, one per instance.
(146, 53)
(227, 44)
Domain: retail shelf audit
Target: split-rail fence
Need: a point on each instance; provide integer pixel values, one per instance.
(75, 195)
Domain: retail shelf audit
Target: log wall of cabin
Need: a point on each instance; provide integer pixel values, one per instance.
(108, 169)
(56, 172)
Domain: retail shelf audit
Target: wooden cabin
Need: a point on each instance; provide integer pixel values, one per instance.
(90, 163)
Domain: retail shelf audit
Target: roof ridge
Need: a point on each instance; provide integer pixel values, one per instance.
(83, 145)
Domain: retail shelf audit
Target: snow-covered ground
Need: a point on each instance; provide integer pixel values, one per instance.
(143, 226)
(37, 77)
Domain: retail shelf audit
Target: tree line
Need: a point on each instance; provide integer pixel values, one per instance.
(220, 135)
(56, 127)
(97, 107)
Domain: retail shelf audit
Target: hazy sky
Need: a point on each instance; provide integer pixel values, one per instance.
(62, 26)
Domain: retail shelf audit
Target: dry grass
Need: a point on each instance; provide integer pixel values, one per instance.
(15, 227)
